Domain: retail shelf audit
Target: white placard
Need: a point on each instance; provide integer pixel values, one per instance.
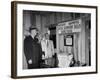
(68, 41)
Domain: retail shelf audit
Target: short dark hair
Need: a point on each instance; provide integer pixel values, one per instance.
(46, 34)
(32, 28)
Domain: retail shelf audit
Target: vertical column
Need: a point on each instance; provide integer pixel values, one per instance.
(61, 43)
(87, 44)
(63, 17)
(58, 17)
(83, 41)
(26, 19)
(75, 47)
(32, 18)
(26, 22)
(52, 18)
(79, 47)
(43, 24)
(38, 22)
(57, 39)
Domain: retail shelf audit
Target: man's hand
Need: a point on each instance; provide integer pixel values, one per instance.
(30, 61)
(43, 57)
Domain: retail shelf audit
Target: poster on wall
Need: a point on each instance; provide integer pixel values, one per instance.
(68, 40)
(33, 53)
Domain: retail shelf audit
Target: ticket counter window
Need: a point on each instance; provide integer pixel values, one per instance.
(65, 54)
(73, 39)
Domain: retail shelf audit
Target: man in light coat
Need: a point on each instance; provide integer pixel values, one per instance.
(48, 49)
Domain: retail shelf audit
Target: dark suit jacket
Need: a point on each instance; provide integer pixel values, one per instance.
(33, 51)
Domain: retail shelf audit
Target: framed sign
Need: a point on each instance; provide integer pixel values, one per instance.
(29, 25)
(68, 40)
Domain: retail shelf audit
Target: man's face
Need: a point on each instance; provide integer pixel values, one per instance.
(47, 36)
(34, 32)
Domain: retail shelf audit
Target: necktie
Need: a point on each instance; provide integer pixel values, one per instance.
(47, 43)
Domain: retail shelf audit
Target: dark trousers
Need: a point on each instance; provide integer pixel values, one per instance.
(33, 66)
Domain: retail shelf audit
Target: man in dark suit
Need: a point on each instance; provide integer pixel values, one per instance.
(32, 50)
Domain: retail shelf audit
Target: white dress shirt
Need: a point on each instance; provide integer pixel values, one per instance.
(48, 48)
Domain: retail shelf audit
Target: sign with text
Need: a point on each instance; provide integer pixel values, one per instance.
(70, 26)
(68, 40)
